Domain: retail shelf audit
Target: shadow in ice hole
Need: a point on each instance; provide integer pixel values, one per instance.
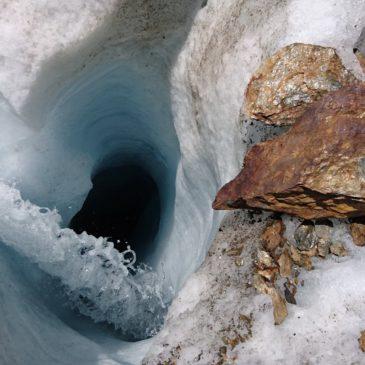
(124, 205)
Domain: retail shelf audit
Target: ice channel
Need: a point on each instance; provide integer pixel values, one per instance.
(150, 88)
(96, 152)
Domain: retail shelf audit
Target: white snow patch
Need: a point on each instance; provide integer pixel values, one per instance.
(225, 43)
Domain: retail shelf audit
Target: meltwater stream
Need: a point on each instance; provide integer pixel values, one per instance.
(106, 159)
(90, 198)
(100, 221)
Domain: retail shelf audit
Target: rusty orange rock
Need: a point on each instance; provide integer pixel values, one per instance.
(293, 78)
(315, 170)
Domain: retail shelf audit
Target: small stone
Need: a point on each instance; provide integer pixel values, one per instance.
(361, 340)
(312, 252)
(269, 274)
(299, 259)
(273, 235)
(280, 310)
(279, 305)
(305, 236)
(285, 264)
(289, 292)
(338, 249)
(323, 230)
(264, 260)
(261, 285)
(235, 251)
(295, 255)
(323, 247)
(357, 231)
(307, 263)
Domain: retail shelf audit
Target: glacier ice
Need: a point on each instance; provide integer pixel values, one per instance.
(110, 112)
(89, 85)
(107, 117)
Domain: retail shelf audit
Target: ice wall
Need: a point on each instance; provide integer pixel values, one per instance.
(175, 73)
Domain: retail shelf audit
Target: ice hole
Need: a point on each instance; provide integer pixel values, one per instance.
(123, 205)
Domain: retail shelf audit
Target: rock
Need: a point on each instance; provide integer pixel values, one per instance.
(294, 77)
(285, 264)
(280, 310)
(273, 235)
(235, 250)
(264, 260)
(338, 249)
(305, 236)
(310, 253)
(323, 230)
(289, 292)
(323, 247)
(299, 259)
(262, 285)
(279, 305)
(315, 170)
(359, 49)
(361, 340)
(357, 231)
(269, 274)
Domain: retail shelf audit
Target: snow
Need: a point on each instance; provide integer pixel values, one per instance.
(322, 328)
(87, 84)
(325, 325)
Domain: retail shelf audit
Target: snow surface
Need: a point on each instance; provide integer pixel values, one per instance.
(322, 328)
(90, 83)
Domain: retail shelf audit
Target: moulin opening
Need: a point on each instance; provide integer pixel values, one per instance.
(124, 206)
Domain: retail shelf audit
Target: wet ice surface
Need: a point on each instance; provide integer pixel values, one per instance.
(163, 73)
(95, 275)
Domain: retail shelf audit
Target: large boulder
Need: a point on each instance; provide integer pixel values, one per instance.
(295, 76)
(315, 170)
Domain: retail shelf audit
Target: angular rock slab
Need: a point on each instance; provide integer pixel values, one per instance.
(294, 77)
(315, 170)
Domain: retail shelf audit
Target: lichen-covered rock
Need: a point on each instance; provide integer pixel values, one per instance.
(315, 170)
(295, 76)
(305, 236)
(357, 231)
